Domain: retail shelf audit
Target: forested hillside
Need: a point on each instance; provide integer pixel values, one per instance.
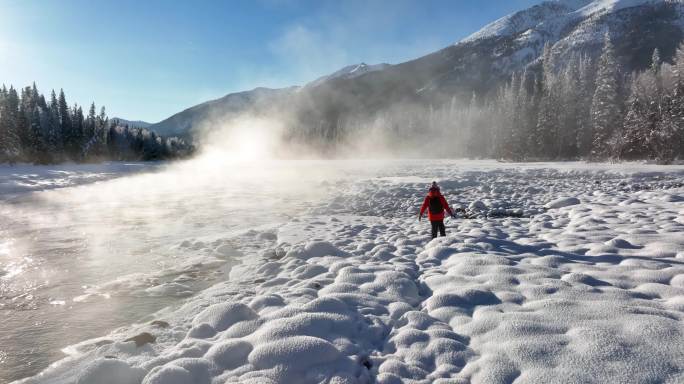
(579, 108)
(33, 129)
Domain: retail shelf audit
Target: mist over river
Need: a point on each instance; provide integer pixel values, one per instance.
(83, 259)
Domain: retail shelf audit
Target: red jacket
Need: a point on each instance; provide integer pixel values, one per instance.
(426, 203)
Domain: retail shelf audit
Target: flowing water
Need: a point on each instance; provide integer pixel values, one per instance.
(79, 261)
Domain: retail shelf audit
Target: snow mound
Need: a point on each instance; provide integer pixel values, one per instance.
(302, 351)
(562, 202)
(315, 249)
(221, 316)
(110, 371)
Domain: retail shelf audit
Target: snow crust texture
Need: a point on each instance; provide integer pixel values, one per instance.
(586, 287)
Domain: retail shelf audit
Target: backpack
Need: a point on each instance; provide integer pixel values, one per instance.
(435, 205)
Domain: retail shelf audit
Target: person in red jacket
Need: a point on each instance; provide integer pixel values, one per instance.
(435, 204)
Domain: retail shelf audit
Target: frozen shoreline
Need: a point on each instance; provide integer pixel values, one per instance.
(352, 291)
(25, 178)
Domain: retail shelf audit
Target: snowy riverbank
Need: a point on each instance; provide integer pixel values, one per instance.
(351, 290)
(24, 178)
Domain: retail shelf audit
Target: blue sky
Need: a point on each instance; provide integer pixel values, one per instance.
(149, 59)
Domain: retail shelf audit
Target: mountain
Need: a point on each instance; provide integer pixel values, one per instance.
(132, 123)
(349, 72)
(258, 99)
(478, 64)
(187, 122)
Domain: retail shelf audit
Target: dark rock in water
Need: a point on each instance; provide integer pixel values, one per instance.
(267, 236)
(160, 323)
(367, 363)
(142, 339)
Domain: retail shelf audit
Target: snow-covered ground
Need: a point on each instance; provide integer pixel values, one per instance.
(564, 273)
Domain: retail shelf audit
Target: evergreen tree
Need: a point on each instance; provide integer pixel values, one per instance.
(23, 127)
(89, 128)
(678, 97)
(69, 137)
(546, 131)
(656, 65)
(569, 114)
(77, 127)
(533, 117)
(3, 129)
(39, 152)
(585, 132)
(10, 147)
(634, 126)
(519, 105)
(605, 108)
(54, 131)
(663, 139)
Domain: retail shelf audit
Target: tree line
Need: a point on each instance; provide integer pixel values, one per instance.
(581, 109)
(40, 131)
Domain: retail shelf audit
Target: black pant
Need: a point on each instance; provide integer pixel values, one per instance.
(438, 225)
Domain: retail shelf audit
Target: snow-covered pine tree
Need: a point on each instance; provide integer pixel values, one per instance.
(70, 141)
(569, 113)
(3, 125)
(38, 151)
(77, 126)
(9, 140)
(678, 97)
(585, 132)
(664, 140)
(605, 108)
(661, 129)
(89, 132)
(635, 125)
(102, 124)
(54, 134)
(528, 103)
(26, 105)
(30, 103)
(536, 96)
(512, 100)
(547, 122)
(656, 65)
(478, 133)
(500, 128)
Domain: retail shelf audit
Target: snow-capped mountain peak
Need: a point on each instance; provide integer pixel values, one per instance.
(574, 4)
(551, 16)
(597, 6)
